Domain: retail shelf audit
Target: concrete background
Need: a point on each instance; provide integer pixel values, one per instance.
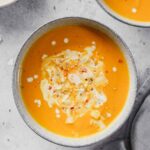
(17, 23)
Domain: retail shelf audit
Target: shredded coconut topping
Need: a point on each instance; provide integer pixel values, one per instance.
(37, 102)
(44, 56)
(74, 82)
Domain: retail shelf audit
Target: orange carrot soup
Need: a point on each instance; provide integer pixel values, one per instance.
(137, 10)
(74, 81)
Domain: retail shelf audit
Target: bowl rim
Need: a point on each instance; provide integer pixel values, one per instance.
(9, 3)
(58, 139)
(120, 18)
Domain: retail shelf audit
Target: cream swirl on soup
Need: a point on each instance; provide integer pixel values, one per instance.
(74, 82)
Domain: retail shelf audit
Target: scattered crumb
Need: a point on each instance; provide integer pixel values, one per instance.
(95, 114)
(44, 56)
(35, 76)
(98, 123)
(108, 115)
(9, 110)
(29, 79)
(93, 42)
(102, 125)
(90, 49)
(69, 120)
(57, 111)
(53, 43)
(38, 102)
(114, 69)
(134, 10)
(66, 40)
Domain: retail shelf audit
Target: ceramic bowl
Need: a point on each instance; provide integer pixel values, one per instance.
(100, 137)
(4, 3)
(115, 15)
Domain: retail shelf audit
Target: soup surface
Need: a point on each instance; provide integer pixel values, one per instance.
(74, 81)
(132, 9)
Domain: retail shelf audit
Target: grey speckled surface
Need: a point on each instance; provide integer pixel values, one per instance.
(17, 23)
